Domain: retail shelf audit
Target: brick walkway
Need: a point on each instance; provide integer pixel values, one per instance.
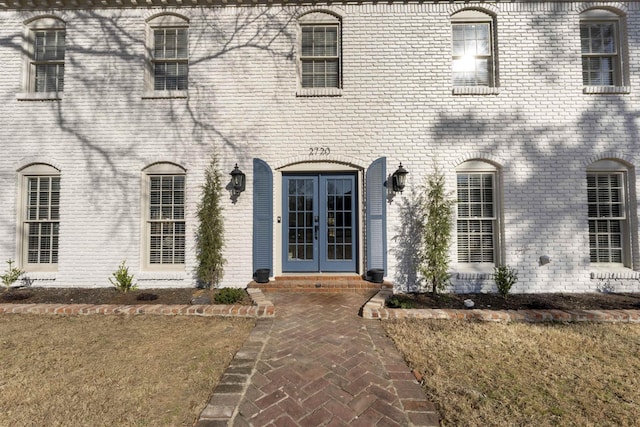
(318, 363)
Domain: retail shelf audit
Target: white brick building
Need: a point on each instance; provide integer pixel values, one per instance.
(529, 108)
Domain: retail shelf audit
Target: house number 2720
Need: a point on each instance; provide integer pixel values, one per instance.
(319, 151)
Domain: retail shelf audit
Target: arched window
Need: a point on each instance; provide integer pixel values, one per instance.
(608, 212)
(602, 53)
(478, 214)
(45, 46)
(39, 217)
(168, 47)
(164, 217)
(473, 49)
(319, 52)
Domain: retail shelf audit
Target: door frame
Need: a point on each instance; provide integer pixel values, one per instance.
(318, 168)
(318, 227)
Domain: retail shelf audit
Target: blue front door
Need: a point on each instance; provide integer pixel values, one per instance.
(319, 223)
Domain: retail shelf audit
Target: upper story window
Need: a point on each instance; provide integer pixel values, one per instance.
(168, 47)
(319, 52)
(40, 217)
(473, 50)
(607, 199)
(164, 217)
(45, 46)
(601, 48)
(478, 214)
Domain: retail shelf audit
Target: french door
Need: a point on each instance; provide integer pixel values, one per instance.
(319, 223)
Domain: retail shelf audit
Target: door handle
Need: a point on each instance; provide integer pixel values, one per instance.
(316, 220)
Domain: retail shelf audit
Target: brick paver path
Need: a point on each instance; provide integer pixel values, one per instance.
(317, 363)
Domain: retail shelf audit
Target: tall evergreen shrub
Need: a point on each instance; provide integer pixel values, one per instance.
(437, 213)
(210, 235)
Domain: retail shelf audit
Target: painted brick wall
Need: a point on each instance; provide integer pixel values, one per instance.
(396, 102)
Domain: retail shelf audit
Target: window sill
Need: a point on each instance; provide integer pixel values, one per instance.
(475, 90)
(38, 275)
(604, 272)
(474, 272)
(594, 90)
(161, 275)
(39, 96)
(165, 94)
(319, 91)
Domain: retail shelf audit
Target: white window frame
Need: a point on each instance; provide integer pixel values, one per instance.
(320, 19)
(31, 28)
(475, 17)
(164, 22)
(154, 171)
(480, 167)
(618, 57)
(607, 168)
(31, 172)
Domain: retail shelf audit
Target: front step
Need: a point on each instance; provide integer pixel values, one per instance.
(352, 284)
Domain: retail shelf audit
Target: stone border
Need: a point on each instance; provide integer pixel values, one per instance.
(375, 309)
(262, 308)
(223, 405)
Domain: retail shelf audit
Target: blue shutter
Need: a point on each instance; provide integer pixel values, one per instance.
(262, 216)
(377, 215)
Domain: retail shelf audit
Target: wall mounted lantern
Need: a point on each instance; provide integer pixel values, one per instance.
(398, 179)
(238, 179)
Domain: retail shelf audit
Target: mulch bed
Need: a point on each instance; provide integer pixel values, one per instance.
(545, 301)
(179, 296)
(182, 296)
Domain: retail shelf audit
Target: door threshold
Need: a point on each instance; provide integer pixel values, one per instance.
(328, 282)
(321, 276)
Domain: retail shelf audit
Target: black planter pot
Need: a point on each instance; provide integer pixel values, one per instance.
(375, 275)
(262, 275)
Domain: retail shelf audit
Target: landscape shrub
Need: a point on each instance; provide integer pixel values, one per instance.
(210, 233)
(399, 301)
(437, 222)
(505, 277)
(122, 280)
(229, 295)
(11, 275)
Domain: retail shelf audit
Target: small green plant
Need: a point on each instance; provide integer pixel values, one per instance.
(505, 277)
(122, 280)
(229, 295)
(11, 275)
(398, 301)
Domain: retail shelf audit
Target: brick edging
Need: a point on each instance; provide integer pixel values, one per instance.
(262, 308)
(375, 309)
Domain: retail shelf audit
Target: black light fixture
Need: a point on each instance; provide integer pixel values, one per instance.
(238, 179)
(399, 177)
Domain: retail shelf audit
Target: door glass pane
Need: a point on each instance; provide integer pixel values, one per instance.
(331, 252)
(300, 219)
(338, 209)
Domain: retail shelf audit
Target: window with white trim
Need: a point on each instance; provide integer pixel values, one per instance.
(472, 49)
(168, 46)
(609, 240)
(601, 48)
(477, 213)
(164, 210)
(46, 54)
(40, 218)
(319, 52)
